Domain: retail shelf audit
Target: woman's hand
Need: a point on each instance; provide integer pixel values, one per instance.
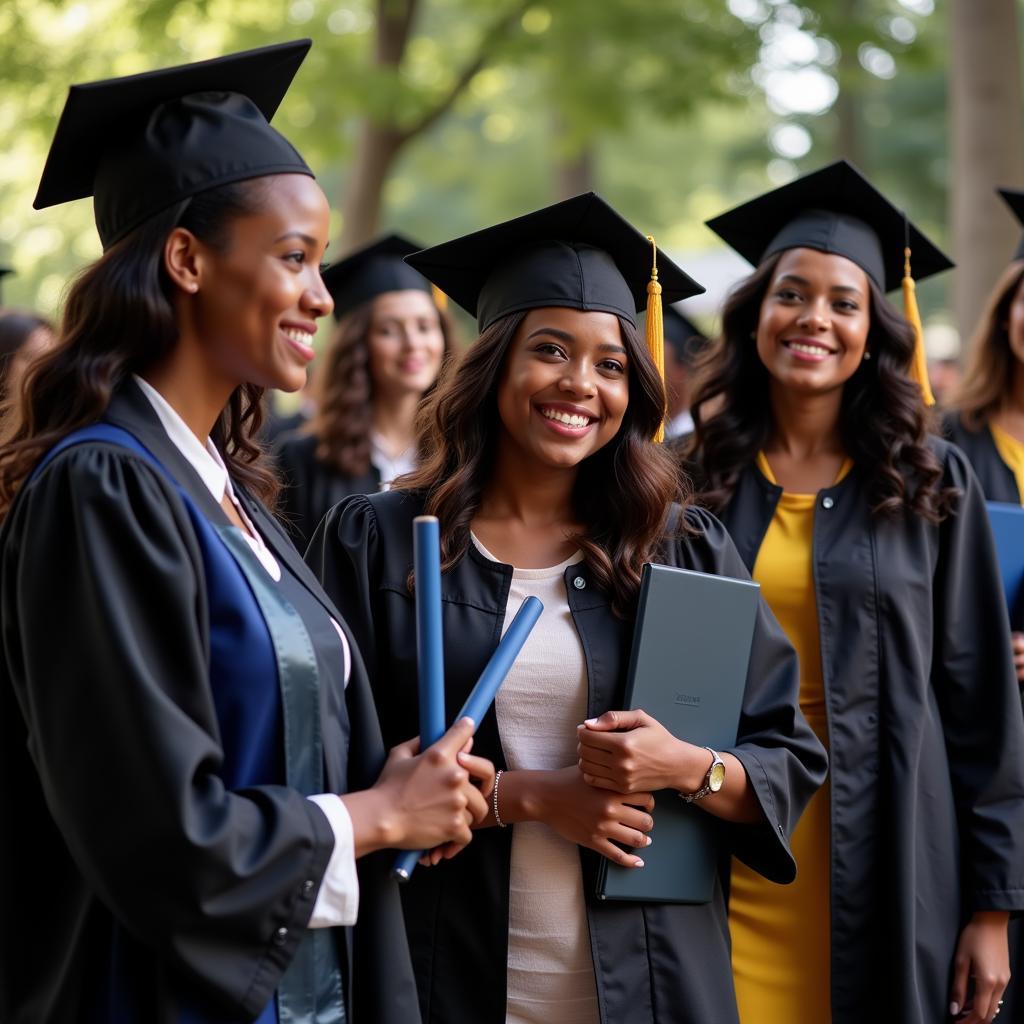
(1017, 645)
(591, 817)
(481, 773)
(629, 752)
(982, 954)
(422, 801)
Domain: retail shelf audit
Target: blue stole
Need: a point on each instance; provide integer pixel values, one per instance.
(265, 684)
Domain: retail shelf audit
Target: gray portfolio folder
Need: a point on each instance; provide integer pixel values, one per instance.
(688, 669)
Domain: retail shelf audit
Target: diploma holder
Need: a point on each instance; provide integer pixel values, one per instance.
(691, 652)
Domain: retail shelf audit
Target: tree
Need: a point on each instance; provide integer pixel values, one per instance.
(988, 145)
(384, 132)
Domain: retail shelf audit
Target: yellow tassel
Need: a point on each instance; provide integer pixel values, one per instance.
(440, 299)
(919, 366)
(656, 329)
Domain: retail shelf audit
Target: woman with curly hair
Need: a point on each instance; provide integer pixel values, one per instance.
(540, 465)
(387, 351)
(871, 544)
(192, 765)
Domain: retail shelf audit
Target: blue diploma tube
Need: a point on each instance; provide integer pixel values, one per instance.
(480, 700)
(426, 546)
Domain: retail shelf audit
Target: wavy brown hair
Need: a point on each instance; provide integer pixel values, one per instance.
(883, 422)
(623, 493)
(118, 320)
(344, 416)
(990, 361)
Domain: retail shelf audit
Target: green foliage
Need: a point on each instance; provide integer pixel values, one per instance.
(666, 96)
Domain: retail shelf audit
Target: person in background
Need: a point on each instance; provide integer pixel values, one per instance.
(192, 765)
(870, 540)
(987, 422)
(24, 337)
(684, 343)
(387, 350)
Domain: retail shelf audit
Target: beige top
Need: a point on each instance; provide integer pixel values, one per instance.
(543, 699)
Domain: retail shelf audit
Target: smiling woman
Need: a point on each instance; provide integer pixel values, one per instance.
(386, 352)
(191, 755)
(539, 460)
(872, 546)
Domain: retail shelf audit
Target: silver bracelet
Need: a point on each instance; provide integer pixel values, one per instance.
(494, 799)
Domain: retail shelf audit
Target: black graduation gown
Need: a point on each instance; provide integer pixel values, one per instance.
(312, 488)
(999, 484)
(926, 737)
(996, 478)
(654, 964)
(108, 719)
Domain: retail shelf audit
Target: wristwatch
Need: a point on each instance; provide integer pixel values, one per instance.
(713, 781)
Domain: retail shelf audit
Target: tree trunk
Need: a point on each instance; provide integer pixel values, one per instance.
(378, 143)
(574, 168)
(378, 148)
(848, 102)
(988, 147)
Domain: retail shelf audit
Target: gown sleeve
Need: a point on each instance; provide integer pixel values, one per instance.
(783, 759)
(103, 611)
(978, 697)
(343, 554)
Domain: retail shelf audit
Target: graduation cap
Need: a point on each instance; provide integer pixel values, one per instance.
(142, 143)
(685, 337)
(1014, 199)
(837, 210)
(577, 254)
(375, 269)
(4, 272)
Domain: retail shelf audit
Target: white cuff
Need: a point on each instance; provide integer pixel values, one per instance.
(337, 902)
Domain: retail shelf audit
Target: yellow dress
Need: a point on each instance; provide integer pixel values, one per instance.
(1011, 451)
(781, 933)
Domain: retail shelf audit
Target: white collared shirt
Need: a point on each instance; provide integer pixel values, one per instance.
(337, 901)
(390, 469)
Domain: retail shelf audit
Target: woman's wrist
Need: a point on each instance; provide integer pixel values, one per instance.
(694, 763)
(521, 796)
(375, 822)
(995, 917)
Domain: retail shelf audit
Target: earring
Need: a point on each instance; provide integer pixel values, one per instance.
(193, 287)
(867, 355)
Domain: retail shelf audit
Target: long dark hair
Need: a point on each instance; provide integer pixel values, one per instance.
(118, 320)
(345, 396)
(988, 380)
(883, 422)
(623, 492)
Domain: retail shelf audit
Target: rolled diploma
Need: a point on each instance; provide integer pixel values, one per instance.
(426, 547)
(480, 700)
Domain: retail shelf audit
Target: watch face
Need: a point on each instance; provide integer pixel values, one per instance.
(716, 776)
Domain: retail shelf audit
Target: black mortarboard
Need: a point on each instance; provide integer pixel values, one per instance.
(1014, 199)
(143, 143)
(685, 337)
(578, 253)
(4, 272)
(834, 210)
(371, 271)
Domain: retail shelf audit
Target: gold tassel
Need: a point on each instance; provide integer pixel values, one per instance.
(656, 329)
(440, 299)
(919, 366)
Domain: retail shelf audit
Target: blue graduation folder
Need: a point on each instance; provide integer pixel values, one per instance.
(688, 669)
(1008, 532)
